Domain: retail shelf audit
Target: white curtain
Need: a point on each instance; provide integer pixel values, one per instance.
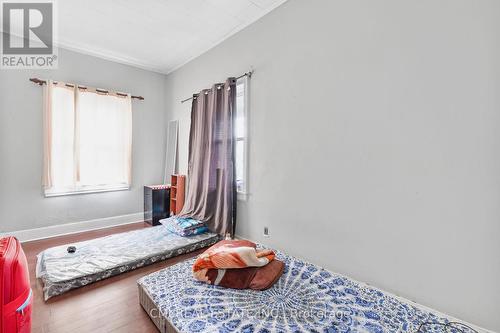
(59, 134)
(87, 140)
(105, 139)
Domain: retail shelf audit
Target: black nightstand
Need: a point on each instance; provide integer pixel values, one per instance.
(156, 203)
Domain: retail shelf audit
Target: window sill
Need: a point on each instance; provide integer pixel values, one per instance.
(49, 193)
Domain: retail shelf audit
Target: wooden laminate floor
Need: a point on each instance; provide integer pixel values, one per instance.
(111, 305)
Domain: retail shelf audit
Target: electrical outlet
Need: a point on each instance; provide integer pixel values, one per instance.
(266, 232)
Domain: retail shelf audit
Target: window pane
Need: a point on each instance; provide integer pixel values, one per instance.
(105, 139)
(240, 111)
(240, 136)
(63, 125)
(240, 88)
(240, 160)
(239, 123)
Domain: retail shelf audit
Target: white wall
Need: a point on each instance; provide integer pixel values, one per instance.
(375, 142)
(22, 205)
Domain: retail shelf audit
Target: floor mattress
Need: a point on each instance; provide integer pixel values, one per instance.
(306, 298)
(101, 258)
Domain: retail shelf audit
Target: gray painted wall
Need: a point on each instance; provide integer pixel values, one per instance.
(375, 142)
(22, 205)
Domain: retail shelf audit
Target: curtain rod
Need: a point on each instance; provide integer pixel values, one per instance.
(249, 74)
(42, 82)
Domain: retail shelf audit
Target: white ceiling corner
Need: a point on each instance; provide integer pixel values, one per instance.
(156, 35)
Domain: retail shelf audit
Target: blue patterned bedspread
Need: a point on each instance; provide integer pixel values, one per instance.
(306, 298)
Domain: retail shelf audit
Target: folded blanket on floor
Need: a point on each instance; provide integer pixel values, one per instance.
(256, 278)
(184, 226)
(230, 254)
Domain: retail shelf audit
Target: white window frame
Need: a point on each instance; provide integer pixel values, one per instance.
(243, 195)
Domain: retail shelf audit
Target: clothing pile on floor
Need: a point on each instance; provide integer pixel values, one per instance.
(238, 264)
(184, 226)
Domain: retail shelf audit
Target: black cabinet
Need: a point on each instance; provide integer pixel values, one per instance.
(156, 203)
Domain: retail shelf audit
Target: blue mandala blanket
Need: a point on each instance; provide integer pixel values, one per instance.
(306, 298)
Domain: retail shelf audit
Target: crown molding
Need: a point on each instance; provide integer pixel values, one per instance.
(123, 59)
(144, 65)
(110, 56)
(228, 35)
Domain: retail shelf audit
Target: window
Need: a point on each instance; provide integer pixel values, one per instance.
(87, 140)
(241, 138)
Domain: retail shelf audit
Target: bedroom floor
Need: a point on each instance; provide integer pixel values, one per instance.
(111, 305)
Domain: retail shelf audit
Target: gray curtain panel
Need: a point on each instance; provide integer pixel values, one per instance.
(211, 189)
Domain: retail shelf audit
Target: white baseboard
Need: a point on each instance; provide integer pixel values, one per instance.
(75, 227)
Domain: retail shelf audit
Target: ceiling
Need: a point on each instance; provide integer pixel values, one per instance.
(158, 35)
